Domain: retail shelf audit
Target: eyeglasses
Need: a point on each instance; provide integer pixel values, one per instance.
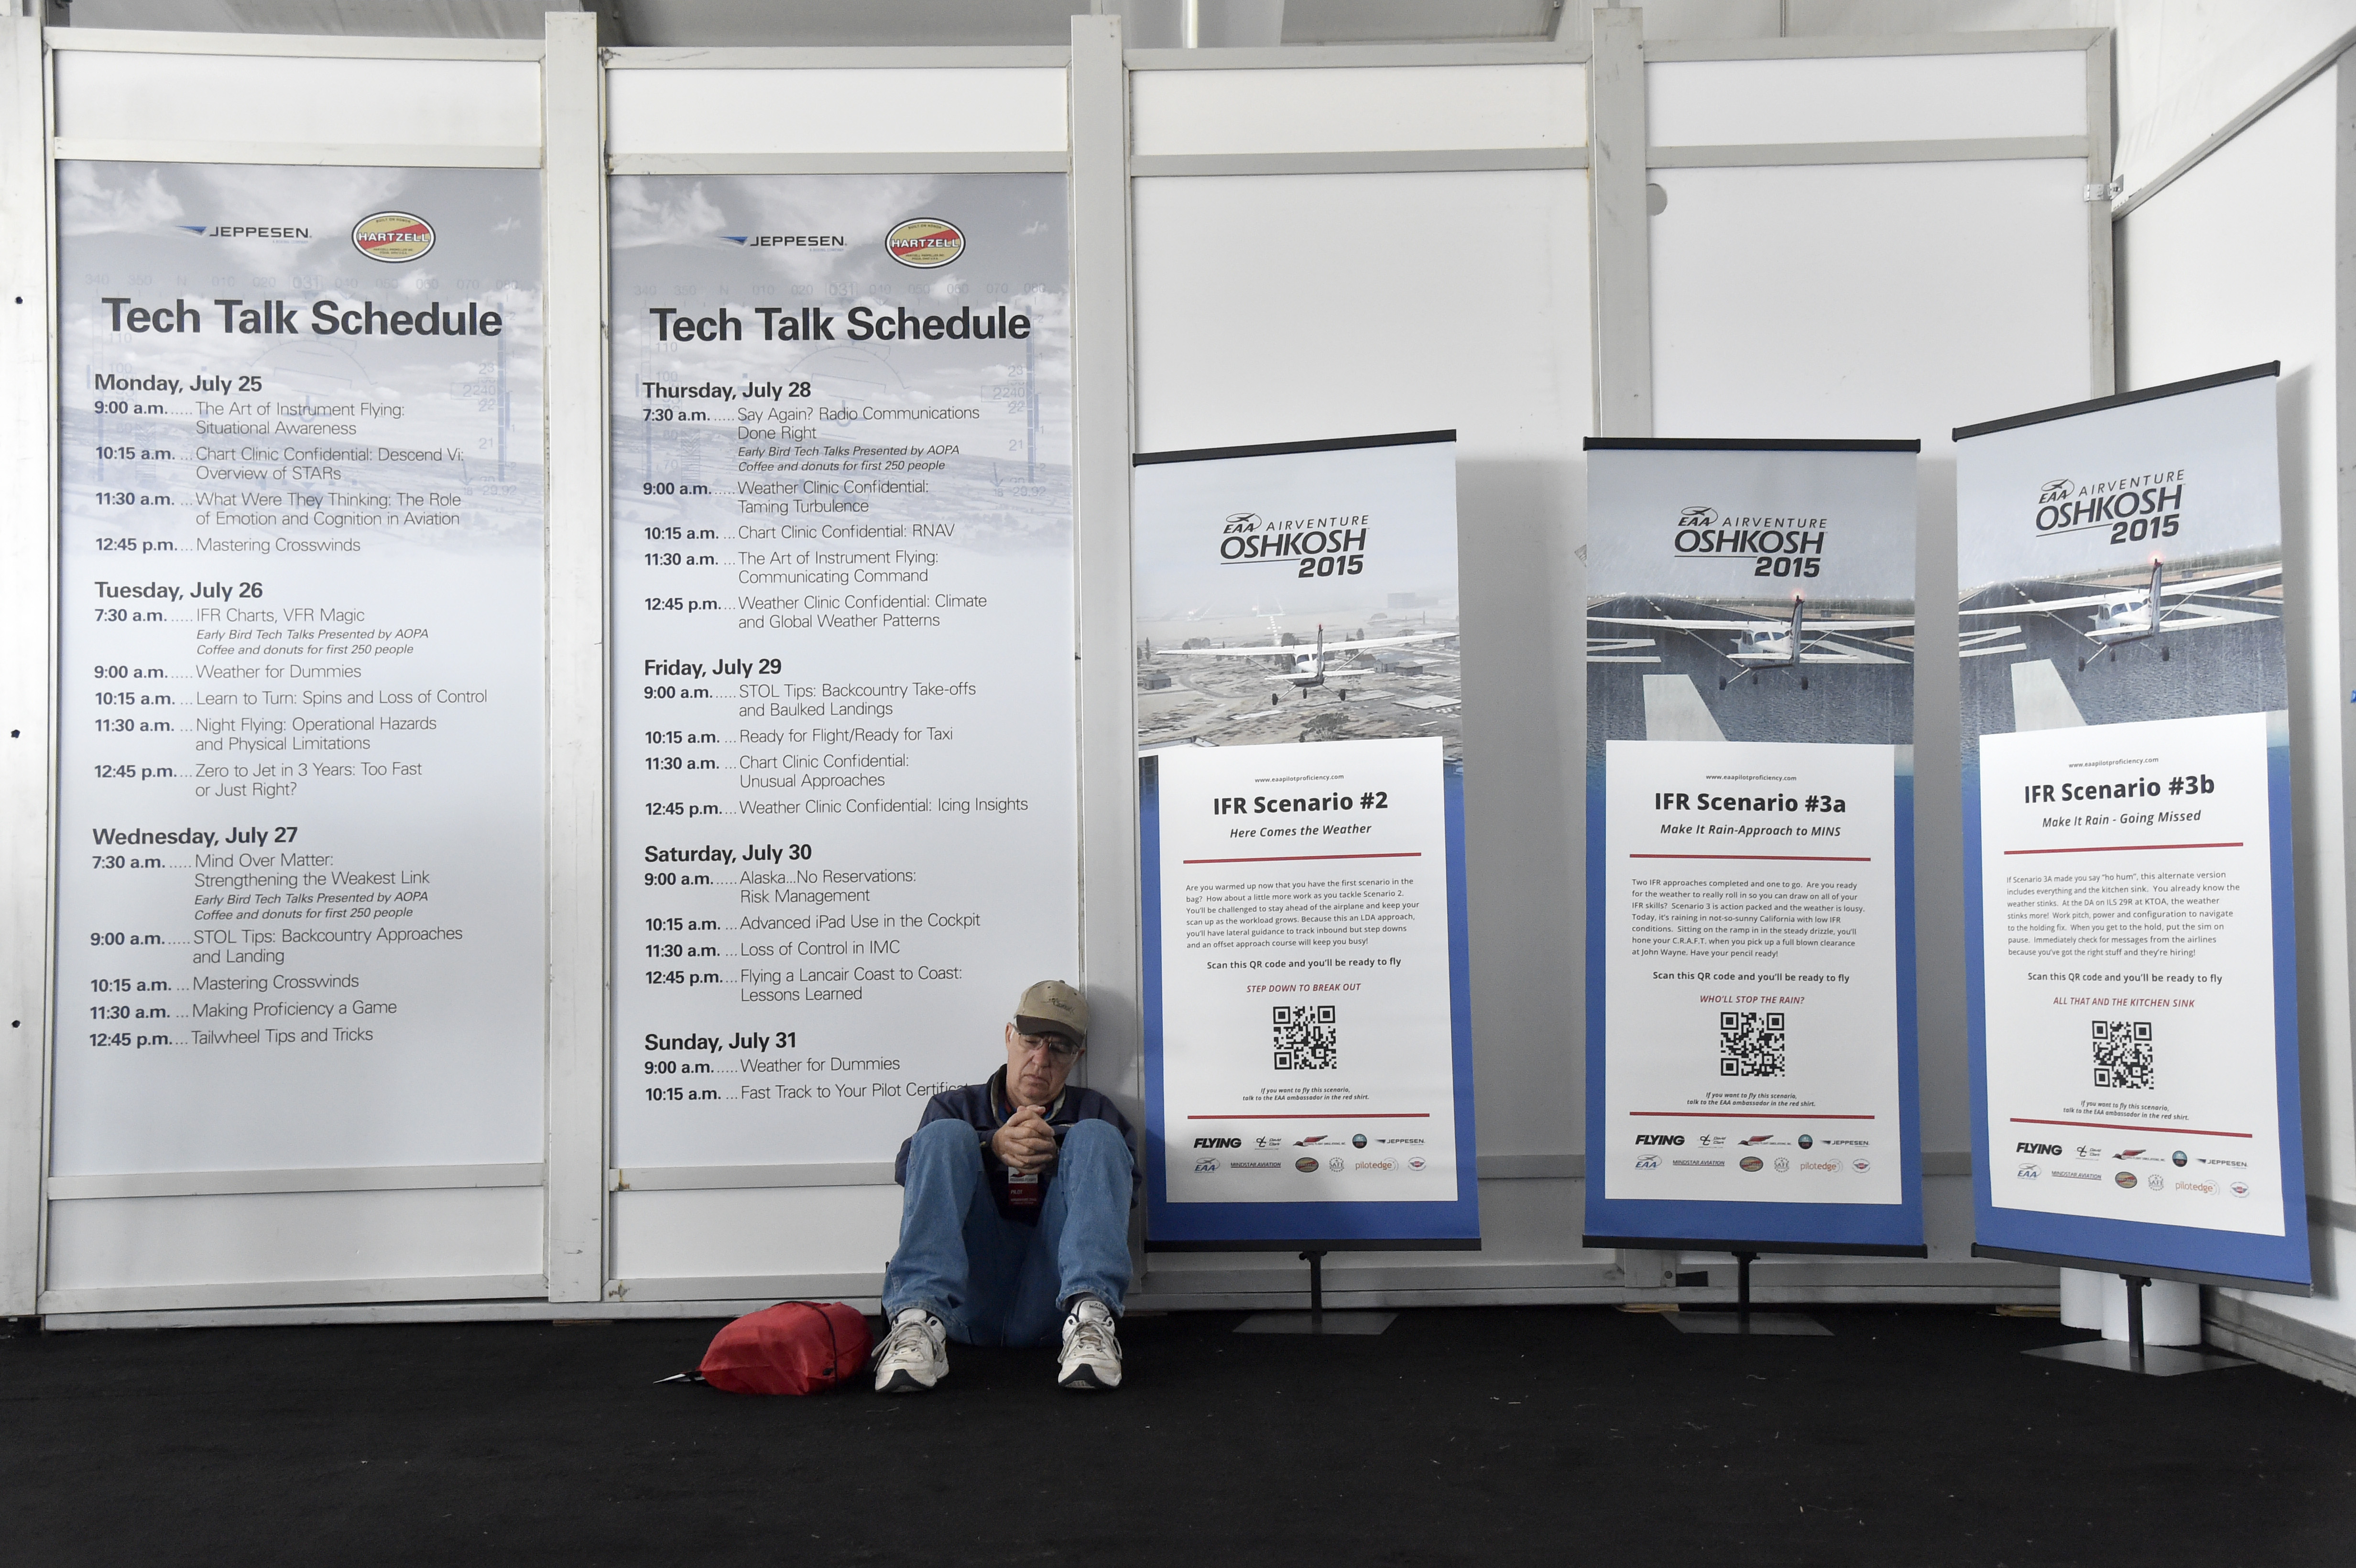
(1057, 1048)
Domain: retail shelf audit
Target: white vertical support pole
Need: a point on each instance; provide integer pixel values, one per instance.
(1618, 143)
(2102, 303)
(1101, 405)
(2328, 1049)
(1616, 151)
(574, 196)
(28, 630)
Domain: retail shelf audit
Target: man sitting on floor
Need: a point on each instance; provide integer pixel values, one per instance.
(1017, 1210)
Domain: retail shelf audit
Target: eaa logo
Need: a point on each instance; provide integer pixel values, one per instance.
(1218, 1143)
(1662, 1140)
(392, 237)
(1204, 1167)
(2027, 1173)
(2054, 1149)
(1697, 517)
(925, 242)
(2055, 490)
(1647, 1162)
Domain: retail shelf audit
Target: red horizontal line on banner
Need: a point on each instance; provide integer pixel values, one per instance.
(2130, 1128)
(1638, 857)
(2114, 848)
(1762, 1115)
(1319, 1116)
(1253, 859)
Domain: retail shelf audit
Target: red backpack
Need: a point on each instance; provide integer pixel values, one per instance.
(795, 1347)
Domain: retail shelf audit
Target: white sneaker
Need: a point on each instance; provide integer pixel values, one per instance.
(915, 1355)
(1091, 1358)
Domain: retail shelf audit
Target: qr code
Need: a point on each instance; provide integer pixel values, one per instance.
(1750, 1045)
(1306, 1039)
(2123, 1053)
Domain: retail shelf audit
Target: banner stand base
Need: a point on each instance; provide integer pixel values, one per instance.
(1745, 1323)
(2133, 1355)
(1316, 1320)
(1742, 1320)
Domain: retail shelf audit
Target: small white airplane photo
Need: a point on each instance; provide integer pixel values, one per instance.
(1310, 667)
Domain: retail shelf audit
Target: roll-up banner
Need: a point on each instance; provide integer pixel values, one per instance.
(1749, 846)
(1308, 1028)
(844, 758)
(300, 795)
(2126, 829)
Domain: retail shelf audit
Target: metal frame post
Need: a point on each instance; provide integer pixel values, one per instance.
(1617, 141)
(27, 633)
(1102, 420)
(574, 274)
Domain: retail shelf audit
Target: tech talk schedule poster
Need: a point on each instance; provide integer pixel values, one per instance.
(300, 793)
(2127, 801)
(844, 775)
(1751, 947)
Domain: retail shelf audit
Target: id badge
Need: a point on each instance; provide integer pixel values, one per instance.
(1022, 1190)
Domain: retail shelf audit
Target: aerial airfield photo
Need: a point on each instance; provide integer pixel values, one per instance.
(1253, 676)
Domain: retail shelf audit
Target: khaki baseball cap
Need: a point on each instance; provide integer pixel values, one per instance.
(1053, 1008)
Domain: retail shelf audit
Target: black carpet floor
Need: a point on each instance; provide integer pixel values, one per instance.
(1497, 1435)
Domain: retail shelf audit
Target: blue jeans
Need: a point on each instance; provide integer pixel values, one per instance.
(995, 1281)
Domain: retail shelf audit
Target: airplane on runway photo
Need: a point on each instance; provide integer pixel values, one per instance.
(1779, 644)
(2124, 615)
(1307, 667)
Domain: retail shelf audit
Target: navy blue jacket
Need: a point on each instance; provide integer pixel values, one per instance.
(985, 1108)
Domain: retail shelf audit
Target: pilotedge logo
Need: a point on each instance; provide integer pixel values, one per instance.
(1660, 1140)
(1218, 1143)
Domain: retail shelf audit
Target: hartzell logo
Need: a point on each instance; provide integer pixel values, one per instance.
(2135, 508)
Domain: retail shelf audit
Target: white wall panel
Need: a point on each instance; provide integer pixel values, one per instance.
(1903, 98)
(255, 97)
(2219, 270)
(1366, 109)
(1884, 301)
(980, 109)
(96, 1243)
(1471, 313)
(753, 1230)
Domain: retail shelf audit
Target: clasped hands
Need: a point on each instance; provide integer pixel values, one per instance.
(1026, 1144)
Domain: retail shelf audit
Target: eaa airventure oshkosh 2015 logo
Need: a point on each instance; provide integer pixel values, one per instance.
(392, 237)
(1325, 547)
(1777, 546)
(2134, 508)
(925, 242)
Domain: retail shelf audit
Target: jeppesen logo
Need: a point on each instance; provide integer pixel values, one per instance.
(1664, 1140)
(1218, 1143)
